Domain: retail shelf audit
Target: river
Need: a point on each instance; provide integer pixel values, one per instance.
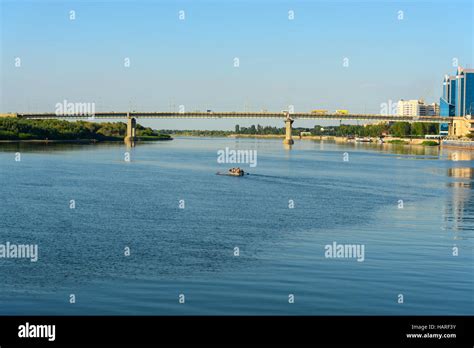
(161, 234)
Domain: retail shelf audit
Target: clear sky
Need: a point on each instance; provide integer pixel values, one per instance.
(190, 62)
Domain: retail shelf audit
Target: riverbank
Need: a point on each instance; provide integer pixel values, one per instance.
(339, 139)
(452, 144)
(81, 141)
(263, 136)
(51, 130)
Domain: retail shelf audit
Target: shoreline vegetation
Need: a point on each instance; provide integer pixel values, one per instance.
(60, 131)
(14, 130)
(395, 129)
(397, 133)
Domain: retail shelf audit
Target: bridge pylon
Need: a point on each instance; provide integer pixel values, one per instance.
(288, 130)
(131, 130)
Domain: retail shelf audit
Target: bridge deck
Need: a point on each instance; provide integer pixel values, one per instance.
(230, 115)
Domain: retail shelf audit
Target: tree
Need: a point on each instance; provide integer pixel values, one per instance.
(400, 129)
(417, 129)
(431, 128)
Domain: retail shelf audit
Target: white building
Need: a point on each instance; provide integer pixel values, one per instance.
(416, 108)
(408, 107)
(429, 109)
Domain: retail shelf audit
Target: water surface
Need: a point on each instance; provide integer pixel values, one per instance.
(190, 251)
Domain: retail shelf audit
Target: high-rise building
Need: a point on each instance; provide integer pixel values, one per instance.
(408, 107)
(435, 110)
(458, 94)
(465, 92)
(416, 108)
(446, 102)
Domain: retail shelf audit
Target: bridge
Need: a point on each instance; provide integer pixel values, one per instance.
(286, 116)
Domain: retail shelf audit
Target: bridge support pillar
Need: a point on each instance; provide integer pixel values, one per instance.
(288, 130)
(131, 131)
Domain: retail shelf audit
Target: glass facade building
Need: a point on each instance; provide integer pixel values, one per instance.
(458, 96)
(446, 108)
(469, 92)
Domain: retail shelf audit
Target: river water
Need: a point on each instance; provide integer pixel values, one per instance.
(85, 207)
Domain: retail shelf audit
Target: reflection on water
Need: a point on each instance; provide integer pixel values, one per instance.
(460, 184)
(410, 150)
(465, 173)
(50, 147)
(392, 148)
(460, 206)
(460, 156)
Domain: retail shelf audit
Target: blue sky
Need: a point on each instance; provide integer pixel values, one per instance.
(191, 62)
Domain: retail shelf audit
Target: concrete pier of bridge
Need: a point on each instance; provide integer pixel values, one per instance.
(130, 137)
(288, 130)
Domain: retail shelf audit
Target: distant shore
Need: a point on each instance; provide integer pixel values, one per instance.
(460, 145)
(454, 145)
(339, 139)
(45, 141)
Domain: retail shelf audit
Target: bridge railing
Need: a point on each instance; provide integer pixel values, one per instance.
(235, 114)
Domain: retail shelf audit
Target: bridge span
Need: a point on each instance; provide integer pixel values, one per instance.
(286, 116)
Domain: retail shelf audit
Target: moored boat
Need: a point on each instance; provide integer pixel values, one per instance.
(363, 140)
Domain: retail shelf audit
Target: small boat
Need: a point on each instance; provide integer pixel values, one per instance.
(234, 172)
(363, 140)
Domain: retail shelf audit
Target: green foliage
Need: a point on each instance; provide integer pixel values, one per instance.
(238, 130)
(417, 129)
(397, 142)
(398, 129)
(198, 133)
(261, 130)
(401, 129)
(430, 143)
(25, 136)
(373, 130)
(51, 129)
(8, 135)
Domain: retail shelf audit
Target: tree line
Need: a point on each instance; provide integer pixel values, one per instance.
(397, 129)
(52, 129)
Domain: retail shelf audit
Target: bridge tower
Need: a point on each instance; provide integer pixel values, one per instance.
(288, 130)
(131, 130)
